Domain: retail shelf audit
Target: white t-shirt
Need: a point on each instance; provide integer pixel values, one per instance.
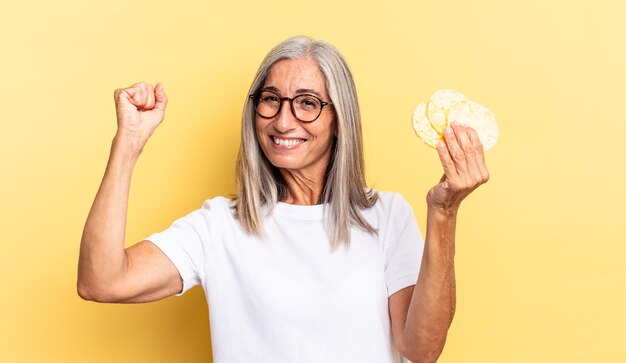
(286, 297)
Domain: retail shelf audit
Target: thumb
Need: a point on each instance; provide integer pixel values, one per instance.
(160, 97)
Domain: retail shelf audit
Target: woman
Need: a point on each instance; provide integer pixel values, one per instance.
(306, 264)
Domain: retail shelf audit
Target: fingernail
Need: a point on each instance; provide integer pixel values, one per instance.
(455, 123)
(448, 130)
(440, 144)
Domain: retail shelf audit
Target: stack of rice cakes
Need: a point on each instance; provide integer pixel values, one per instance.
(430, 118)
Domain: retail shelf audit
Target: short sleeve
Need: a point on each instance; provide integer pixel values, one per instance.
(404, 249)
(182, 243)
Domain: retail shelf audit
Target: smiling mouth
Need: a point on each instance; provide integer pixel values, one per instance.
(287, 142)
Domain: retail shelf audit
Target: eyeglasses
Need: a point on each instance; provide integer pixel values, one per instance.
(306, 107)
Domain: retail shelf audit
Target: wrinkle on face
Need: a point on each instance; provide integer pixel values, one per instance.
(303, 168)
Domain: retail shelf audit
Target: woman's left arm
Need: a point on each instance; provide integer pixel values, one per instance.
(421, 315)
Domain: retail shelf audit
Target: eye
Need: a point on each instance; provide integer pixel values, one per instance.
(308, 102)
(269, 98)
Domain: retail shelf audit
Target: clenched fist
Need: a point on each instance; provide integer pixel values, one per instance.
(140, 108)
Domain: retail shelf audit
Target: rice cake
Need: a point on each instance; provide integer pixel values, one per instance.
(439, 104)
(423, 128)
(447, 106)
(479, 118)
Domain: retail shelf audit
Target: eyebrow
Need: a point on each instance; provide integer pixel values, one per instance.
(298, 91)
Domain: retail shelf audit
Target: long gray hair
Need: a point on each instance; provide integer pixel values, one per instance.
(345, 192)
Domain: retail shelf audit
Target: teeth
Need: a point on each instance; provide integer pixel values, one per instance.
(290, 142)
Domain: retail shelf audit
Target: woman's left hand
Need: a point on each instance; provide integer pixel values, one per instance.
(463, 162)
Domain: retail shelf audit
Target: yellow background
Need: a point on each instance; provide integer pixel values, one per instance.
(540, 248)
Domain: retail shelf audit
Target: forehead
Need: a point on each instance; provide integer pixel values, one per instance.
(289, 76)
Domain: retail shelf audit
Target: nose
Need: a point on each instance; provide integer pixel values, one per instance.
(285, 121)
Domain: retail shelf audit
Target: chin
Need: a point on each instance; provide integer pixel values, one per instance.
(285, 163)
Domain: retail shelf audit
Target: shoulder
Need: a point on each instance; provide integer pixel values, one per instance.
(214, 214)
(216, 208)
(392, 202)
(396, 218)
(217, 203)
(390, 212)
(393, 212)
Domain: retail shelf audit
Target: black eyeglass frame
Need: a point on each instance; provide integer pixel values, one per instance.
(255, 98)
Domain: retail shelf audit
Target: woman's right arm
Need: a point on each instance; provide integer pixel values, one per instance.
(107, 272)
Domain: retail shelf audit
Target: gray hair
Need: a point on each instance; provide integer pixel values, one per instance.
(345, 191)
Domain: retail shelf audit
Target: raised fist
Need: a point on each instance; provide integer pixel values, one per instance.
(140, 108)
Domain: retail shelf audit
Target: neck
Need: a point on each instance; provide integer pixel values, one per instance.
(303, 188)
